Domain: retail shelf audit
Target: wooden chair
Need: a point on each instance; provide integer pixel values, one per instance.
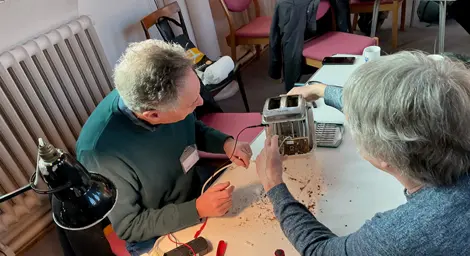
(168, 11)
(358, 6)
(333, 42)
(256, 32)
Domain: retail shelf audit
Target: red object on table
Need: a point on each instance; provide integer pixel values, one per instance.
(198, 233)
(221, 248)
(279, 252)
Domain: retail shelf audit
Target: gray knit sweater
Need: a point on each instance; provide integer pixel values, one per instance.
(433, 221)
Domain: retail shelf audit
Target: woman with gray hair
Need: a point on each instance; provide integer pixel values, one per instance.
(409, 115)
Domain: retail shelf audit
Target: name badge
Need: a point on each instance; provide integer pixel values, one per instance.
(189, 158)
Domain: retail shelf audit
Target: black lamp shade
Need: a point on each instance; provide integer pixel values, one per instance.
(85, 208)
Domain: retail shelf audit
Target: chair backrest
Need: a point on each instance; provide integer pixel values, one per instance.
(166, 11)
(240, 5)
(237, 5)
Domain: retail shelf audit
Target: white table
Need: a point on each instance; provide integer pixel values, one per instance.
(353, 191)
(337, 74)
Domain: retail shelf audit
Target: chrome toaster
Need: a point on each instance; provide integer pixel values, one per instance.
(291, 118)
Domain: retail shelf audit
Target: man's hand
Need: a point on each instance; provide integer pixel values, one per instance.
(309, 92)
(216, 201)
(269, 164)
(242, 153)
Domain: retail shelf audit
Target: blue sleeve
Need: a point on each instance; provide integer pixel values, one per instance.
(310, 237)
(334, 96)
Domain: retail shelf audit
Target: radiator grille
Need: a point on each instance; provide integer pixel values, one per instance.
(48, 88)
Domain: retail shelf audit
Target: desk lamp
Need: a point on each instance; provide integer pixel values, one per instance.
(80, 199)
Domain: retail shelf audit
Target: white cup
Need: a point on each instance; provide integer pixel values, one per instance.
(371, 53)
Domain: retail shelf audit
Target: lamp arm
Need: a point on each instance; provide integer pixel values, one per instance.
(19, 191)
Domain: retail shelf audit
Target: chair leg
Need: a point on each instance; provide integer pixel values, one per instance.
(395, 25)
(403, 16)
(258, 51)
(241, 86)
(234, 52)
(355, 19)
(233, 48)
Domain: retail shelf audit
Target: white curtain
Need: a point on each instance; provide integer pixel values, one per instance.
(222, 27)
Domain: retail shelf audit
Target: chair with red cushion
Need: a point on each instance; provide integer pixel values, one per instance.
(364, 6)
(333, 42)
(232, 124)
(323, 8)
(256, 32)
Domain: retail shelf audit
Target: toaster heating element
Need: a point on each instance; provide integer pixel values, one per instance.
(291, 118)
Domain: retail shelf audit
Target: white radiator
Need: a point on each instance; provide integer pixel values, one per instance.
(48, 88)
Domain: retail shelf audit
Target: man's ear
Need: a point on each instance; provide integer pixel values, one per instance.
(384, 165)
(151, 114)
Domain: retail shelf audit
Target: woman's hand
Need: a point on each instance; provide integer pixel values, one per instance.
(269, 164)
(309, 92)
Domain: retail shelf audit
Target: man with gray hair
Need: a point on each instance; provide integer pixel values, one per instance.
(144, 137)
(409, 116)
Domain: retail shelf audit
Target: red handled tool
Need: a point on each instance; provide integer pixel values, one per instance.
(221, 248)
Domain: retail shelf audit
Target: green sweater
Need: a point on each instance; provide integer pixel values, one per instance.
(155, 196)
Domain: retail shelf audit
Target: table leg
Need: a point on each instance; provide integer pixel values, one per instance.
(375, 17)
(442, 25)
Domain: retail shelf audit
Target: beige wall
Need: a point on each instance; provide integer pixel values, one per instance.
(204, 28)
(21, 20)
(222, 27)
(117, 22)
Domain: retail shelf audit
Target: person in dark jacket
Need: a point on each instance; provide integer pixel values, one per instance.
(293, 22)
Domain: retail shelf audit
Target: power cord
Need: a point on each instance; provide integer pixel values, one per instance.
(282, 143)
(34, 179)
(228, 162)
(178, 243)
(220, 169)
(238, 135)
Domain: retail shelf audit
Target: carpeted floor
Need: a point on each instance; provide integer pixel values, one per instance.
(421, 37)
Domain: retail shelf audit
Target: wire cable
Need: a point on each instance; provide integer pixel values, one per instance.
(34, 179)
(156, 248)
(238, 135)
(184, 244)
(282, 143)
(50, 191)
(224, 166)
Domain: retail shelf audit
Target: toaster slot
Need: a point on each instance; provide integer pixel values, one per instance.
(292, 101)
(274, 103)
